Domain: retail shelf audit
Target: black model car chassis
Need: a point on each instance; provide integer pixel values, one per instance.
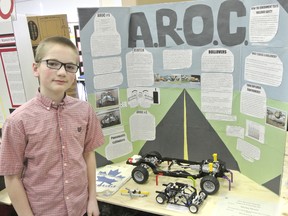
(181, 194)
(208, 170)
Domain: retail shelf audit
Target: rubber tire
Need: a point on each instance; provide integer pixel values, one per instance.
(140, 174)
(204, 194)
(209, 184)
(161, 198)
(193, 208)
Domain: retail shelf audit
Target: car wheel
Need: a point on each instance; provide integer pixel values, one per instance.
(161, 198)
(193, 208)
(140, 174)
(209, 184)
(203, 194)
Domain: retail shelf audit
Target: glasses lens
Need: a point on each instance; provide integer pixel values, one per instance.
(53, 64)
(72, 68)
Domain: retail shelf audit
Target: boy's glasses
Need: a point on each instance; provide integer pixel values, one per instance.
(54, 64)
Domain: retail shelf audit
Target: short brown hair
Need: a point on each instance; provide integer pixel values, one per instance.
(41, 49)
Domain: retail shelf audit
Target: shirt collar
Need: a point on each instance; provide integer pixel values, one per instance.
(49, 103)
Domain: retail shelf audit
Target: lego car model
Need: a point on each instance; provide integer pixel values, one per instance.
(181, 194)
(206, 170)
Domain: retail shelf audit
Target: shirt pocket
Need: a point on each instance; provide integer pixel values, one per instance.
(79, 133)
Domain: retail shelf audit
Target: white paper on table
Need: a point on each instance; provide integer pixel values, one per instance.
(238, 206)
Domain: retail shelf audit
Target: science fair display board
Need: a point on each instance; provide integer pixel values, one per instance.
(191, 79)
(17, 83)
(11, 84)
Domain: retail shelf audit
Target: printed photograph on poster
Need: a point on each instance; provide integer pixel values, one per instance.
(191, 78)
(109, 118)
(107, 97)
(276, 118)
(176, 78)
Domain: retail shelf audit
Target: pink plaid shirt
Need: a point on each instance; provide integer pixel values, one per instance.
(46, 143)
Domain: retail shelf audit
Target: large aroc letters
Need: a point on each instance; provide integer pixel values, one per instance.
(223, 23)
(206, 36)
(139, 28)
(168, 29)
(138, 20)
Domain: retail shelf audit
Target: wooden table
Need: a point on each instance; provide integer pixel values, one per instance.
(245, 195)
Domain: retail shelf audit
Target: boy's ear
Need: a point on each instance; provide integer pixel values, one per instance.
(35, 69)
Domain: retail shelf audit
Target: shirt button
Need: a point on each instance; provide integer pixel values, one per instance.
(67, 197)
(48, 108)
(63, 147)
(61, 129)
(66, 181)
(65, 164)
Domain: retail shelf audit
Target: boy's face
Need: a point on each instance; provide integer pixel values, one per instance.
(54, 82)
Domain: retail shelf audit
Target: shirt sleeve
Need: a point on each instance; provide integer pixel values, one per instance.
(12, 148)
(94, 135)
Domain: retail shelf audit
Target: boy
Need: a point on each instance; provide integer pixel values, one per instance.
(47, 154)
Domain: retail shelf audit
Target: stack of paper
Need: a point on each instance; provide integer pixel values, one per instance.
(110, 178)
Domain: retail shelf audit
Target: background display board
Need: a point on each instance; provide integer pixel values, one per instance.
(191, 79)
(17, 84)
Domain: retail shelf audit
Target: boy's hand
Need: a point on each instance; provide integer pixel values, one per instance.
(92, 208)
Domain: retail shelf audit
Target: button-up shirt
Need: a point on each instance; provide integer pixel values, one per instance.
(45, 142)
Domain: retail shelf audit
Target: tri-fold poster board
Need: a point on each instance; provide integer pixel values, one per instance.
(191, 79)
